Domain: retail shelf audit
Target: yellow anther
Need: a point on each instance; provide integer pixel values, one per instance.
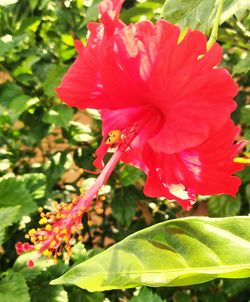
(79, 213)
(56, 229)
(52, 243)
(27, 236)
(80, 238)
(64, 231)
(32, 232)
(37, 247)
(40, 209)
(40, 237)
(48, 227)
(47, 253)
(63, 216)
(42, 215)
(43, 220)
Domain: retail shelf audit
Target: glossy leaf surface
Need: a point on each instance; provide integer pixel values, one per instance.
(173, 253)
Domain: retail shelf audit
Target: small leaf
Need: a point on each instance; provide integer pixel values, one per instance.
(7, 217)
(129, 175)
(92, 12)
(147, 295)
(178, 252)
(245, 115)
(35, 183)
(223, 206)
(60, 115)
(14, 288)
(50, 294)
(41, 265)
(124, 205)
(243, 66)
(53, 78)
(14, 193)
(149, 9)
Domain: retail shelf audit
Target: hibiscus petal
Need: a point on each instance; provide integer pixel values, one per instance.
(205, 169)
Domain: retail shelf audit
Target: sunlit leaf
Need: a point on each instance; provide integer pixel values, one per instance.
(14, 193)
(199, 14)
(149, 9)
(13, 287)
(35, 183)
(243, 66)
(173, 253)
(59, 115)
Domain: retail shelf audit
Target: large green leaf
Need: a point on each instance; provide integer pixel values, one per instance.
(173, 253)
(14, 288)
(200, 14)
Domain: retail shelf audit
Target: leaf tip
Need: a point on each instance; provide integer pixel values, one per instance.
(56, 281)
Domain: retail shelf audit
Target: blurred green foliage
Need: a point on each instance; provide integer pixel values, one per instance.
(44, 144)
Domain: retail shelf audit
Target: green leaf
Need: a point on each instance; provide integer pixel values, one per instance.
(223, 206)
(147, 295)
(13, 287)
(234, 7)
(20, 104)
(243, 66)
(92, 12)
(77, 295)
(199, 14)
(53, 78)
(60, 115)
(14, 193)
(35, 184)
(41, 265)
(7, 217)
(57, 294)
(124, 205)
(5, 46)
(129, 175)
(55, 167)
(245, 115)
(147, 10)
(174, 253)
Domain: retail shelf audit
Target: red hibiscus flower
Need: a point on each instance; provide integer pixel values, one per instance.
(165, 107)
(168, 96)
(165, 99)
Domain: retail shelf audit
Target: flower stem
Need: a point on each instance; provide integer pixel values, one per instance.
(214, 32)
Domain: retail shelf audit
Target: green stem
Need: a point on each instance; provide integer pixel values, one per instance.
(214, 33)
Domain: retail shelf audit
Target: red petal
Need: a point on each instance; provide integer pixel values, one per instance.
(206, 169)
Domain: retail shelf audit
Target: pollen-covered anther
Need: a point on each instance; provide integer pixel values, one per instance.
(43, 221)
